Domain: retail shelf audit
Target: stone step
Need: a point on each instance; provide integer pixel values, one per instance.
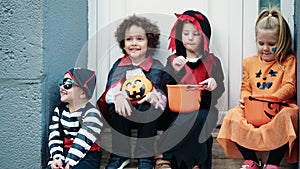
(219, 160)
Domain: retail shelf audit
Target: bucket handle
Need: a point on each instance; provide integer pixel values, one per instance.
(195, 88)
(280, 103)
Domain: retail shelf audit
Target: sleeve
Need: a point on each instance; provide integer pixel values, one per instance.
(55, 136)
(245, 87)
(87, 135)
(102, 101)
(113, 92)
(218, 75)
(288, 87)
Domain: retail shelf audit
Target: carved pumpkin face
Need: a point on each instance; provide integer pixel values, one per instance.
(137, 87)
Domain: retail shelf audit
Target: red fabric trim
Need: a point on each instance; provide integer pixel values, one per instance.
(68, 144)
(71, 74)
(145, 65)
(193, 76)
(86, 83)
(101, 103)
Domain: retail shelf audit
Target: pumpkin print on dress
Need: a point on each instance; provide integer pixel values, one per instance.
(137, 87)
(265, 84)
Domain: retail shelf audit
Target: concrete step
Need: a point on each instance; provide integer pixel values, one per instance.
(219, 160)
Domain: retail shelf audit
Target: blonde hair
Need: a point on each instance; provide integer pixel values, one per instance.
(272, 19)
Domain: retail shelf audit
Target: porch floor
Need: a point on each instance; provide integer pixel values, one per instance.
(219, 160)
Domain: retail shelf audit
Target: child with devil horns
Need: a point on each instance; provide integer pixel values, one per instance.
(193, 64)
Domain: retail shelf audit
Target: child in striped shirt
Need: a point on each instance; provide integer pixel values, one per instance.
(75, 126)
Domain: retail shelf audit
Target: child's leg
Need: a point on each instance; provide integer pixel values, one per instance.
(208, 163)
(92, 160)
(121, 132)
(275, 156)
(247, 153)
(146, 137)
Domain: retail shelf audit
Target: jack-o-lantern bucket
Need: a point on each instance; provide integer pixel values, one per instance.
(137, 87)
(184, 98)
(260, 110)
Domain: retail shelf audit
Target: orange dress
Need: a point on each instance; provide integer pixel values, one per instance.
(269, 79)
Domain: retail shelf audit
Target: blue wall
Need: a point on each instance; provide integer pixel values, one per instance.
(39, 41)
(20, 83)
(65, 32)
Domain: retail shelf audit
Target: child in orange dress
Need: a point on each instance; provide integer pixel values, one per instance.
(272, 72)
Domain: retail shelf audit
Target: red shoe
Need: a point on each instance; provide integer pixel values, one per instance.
(249, 164)
(269, 166)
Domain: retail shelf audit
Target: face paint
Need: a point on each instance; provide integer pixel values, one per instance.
(274, 49)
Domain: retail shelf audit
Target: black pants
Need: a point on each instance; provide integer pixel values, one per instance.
(144, 119)
(188, 141)
(275, 156)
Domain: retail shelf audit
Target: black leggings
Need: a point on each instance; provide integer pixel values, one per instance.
(275, 156)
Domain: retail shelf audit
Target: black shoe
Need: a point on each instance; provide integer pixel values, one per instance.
(116, 162)
(145, 163)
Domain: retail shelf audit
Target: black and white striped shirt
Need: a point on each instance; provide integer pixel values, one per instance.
(73, 134)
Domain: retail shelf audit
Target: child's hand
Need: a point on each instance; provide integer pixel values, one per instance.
(242, 103)
(57, 164)
(156, 99)
(209, 84)
(179, 62)
(67, 166)
(122, 106)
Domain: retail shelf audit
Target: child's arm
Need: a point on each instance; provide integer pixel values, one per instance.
(55, 136)
(245, 87)
(178, 72)
(114, 93)
(288, 86)
(157, 99)
(116, 96)
(179, 62)
(216, 82)
(218, 75)
(88, 134)
(209, 84)
(122, 106)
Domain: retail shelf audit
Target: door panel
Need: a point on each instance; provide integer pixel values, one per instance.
(232, 23)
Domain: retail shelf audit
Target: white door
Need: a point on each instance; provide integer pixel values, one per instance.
(232, 23)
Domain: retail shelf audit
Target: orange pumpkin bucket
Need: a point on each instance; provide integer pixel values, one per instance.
(184, 98)
(260, 110)
(137, 87)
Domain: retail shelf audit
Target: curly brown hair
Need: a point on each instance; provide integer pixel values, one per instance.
(151, 29)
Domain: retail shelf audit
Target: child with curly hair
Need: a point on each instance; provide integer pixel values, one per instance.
(138, 38)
